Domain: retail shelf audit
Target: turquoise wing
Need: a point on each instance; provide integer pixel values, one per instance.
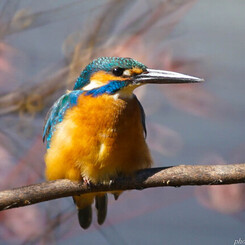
(56, 113)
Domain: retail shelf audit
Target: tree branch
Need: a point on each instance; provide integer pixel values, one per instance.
(155, 177)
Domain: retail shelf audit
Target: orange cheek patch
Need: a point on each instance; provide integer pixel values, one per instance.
(136, 70)
(102, 78)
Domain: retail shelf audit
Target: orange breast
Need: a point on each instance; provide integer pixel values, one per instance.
(97, 139)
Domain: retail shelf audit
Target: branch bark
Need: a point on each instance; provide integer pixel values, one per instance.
(155, 177)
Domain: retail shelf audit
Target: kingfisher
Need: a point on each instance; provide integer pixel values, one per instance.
(97, 131)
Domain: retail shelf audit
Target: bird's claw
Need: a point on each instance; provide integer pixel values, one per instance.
(86, 181)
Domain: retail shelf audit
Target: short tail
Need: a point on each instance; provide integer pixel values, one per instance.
(84, 206)
(101, 207)
(85, 217)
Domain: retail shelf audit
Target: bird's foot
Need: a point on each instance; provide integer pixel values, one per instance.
(86, 181)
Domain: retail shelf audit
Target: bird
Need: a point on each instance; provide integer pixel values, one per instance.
(97, 132)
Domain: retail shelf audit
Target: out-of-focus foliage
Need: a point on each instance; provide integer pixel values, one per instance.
(44, 45)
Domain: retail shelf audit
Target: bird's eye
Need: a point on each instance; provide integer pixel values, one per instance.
(118, 71)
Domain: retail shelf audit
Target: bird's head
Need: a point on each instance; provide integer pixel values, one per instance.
(113, 74)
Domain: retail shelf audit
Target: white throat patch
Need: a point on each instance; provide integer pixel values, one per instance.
(92, 85)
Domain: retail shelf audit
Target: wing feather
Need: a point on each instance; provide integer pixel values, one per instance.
(56, 113)
(142, 116)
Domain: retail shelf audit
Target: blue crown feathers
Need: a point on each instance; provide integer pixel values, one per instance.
(105, 64)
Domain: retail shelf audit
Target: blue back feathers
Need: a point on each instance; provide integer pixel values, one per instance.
(57, 112)
(105, 64)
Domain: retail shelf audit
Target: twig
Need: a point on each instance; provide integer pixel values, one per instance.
(156, 177)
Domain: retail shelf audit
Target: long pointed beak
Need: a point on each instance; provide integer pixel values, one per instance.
(164, 77)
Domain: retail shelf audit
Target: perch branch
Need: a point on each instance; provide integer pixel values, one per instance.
(155, 177)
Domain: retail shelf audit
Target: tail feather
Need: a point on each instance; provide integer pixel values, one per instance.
(84, 207)
(101, 207)
(85, 217)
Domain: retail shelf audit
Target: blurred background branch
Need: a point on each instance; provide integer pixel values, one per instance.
(175, 176)
(107, 36)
